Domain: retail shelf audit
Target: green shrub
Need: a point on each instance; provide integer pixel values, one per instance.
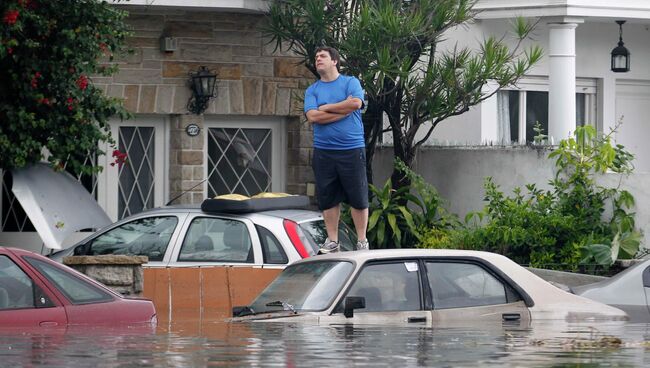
(398, 218)
(563, 227)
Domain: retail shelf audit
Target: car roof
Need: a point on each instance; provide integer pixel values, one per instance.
(363, 256)
(297, 215)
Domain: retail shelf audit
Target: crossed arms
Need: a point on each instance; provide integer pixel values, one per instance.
(330, 113)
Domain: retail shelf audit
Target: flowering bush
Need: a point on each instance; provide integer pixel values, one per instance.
(49, 53)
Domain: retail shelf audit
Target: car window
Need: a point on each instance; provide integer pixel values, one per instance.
(77, 290)
(142, 237)
(307, 286)
(16, 288)
(317, 235)
(271, 248)
(388, 287)
(457, 285)
(211, 239)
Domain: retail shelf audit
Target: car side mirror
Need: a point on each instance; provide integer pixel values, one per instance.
(241, 311)
(351, 303)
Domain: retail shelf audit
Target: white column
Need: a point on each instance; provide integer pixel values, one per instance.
(562, 81)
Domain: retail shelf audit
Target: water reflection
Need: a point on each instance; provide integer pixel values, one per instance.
(286, 344)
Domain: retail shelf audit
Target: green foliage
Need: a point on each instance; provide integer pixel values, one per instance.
(391, 46)
(49, 53)
(539, 137)
(399, 217)
(565, 225)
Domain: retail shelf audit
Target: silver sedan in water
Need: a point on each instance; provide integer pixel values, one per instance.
(417, 286)
(628, 290)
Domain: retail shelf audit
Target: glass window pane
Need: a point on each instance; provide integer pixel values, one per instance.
(142, 237)
(310, 286)
(271, 248)
(13, 216)
(317, 233)
(388, 287)
(239, 161)
(536, 111)
(136, 176)
(457, 285)
(78, 291)
(513, 97)
(16, 288)
(581, 115)
(211, 239)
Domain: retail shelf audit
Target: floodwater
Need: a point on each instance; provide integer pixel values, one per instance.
(595, 344)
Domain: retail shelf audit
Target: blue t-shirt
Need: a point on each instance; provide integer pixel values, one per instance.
(343, 134)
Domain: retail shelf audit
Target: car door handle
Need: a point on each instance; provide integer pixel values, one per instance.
(48, 324)
(511, 316)
(416, 319)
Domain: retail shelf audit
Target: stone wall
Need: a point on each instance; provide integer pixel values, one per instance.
(121, 273)
(253, 80)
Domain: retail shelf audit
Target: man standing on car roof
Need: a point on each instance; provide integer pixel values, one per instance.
(333, 105)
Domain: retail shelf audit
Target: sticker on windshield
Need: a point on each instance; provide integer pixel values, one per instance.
(411, 266)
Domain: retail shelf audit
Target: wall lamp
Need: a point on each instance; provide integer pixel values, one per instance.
(202, 83)
(620, 54)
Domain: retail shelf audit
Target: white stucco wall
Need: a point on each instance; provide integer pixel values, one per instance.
(458, 174)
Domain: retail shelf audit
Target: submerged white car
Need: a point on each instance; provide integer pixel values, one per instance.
(416, 286)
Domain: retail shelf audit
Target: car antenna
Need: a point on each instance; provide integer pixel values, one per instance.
(180, 195)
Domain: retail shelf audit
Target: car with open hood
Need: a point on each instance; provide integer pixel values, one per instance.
(416, 286)
(37, 292)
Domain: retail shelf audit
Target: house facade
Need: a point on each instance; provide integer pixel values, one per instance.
(251, 137)
(572, 85)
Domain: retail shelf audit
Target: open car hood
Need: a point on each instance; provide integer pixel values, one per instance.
(56, 203)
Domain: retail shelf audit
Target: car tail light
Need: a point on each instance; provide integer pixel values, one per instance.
(297, 237)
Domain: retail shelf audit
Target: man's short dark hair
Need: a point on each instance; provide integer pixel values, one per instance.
(334, 54)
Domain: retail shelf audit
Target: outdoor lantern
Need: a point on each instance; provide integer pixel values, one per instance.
(203, 84)
(620, 54)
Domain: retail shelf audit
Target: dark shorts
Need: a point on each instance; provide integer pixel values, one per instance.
(340, 177)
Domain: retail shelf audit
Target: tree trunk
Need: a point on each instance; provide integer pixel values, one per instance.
(406, 153)
(372, 126)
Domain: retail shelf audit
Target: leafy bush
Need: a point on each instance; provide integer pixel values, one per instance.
(566, 225)
(50, 52)
(398, 218)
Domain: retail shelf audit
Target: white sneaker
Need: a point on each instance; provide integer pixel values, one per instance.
(363, 245)
(329, 246)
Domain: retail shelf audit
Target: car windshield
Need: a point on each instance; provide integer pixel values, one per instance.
(304, 287)
(317, 235)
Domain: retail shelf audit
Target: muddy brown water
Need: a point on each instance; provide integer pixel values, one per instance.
(262, 344)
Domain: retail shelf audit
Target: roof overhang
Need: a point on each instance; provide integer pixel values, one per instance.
(240, 6)
(56, 203)
(600, 9)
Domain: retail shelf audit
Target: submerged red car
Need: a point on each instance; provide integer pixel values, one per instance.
(35, 291)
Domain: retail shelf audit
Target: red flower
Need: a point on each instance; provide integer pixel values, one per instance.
(35, 79)
(70, 102)
(120, 158)
(11, 17)
(10, 50)
(82, 82)
(44, 101)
